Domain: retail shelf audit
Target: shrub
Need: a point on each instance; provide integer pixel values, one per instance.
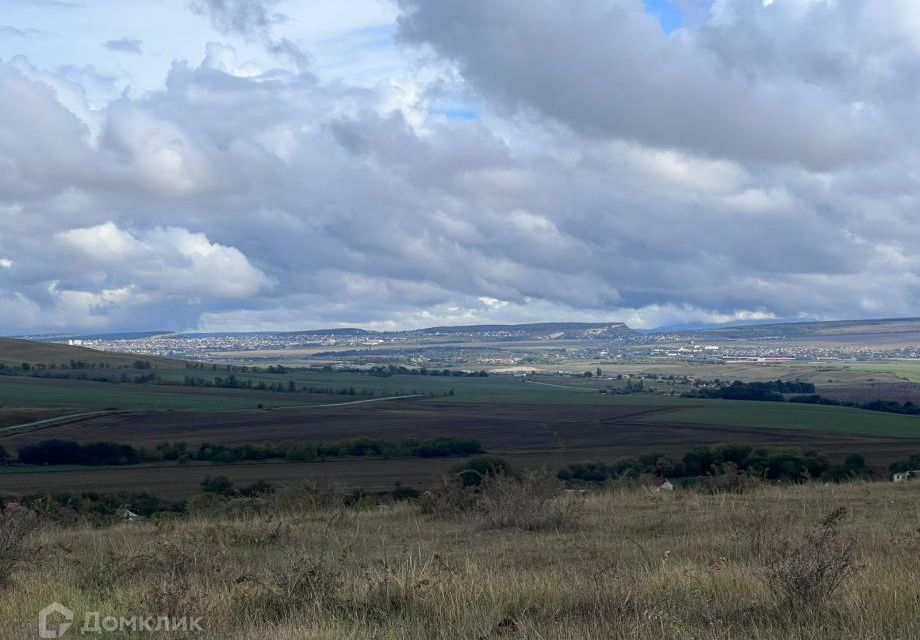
(220, 485)
(907, 465)
(807, 576)
(258, 488)
(405, 493)
(98, 508)
(450, 497)
(596, 472)
(14, 527)
(474, 471)
(300, 586)
(400, 587)
(536, 502)
(856, 462)
(728, 478)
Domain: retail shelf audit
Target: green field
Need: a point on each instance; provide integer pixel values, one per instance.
(906, 369)
(85, 394)
(496, 389)
(779, 415)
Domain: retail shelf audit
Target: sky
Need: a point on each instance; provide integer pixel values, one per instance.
(238, 165)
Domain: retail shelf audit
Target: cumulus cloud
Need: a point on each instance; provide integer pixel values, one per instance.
(736, 169)
(254, 20)
(164, 157)
(168, 260)
(248, 17)
(801, 82)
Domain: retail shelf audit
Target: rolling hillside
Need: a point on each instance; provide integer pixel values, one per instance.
(16, 352)
(892, 327)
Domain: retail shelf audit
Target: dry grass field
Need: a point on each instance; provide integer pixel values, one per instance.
(520, 563)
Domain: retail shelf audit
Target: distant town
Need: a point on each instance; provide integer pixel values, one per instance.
(494, 347)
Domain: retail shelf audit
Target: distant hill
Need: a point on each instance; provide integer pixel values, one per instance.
(535, 331)
(345, 331)
(539, 330)
(15, 352)
(112, 335)
(826, 329)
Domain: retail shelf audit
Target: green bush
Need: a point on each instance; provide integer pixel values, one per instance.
(474, 471)
(219, 485)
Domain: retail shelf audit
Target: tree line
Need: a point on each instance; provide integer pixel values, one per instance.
(886, 406)
(723, 459)
(67, 452)
(770, 391)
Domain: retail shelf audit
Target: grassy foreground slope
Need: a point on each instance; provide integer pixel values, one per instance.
(624, 564)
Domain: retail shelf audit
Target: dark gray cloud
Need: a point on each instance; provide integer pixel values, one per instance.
(804, 81)
(250, 18)
(254, 20)
(124, 45)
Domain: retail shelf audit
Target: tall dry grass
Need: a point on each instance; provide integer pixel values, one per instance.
(631, 564)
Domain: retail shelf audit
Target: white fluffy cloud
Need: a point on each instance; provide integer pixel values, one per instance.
(168, 260)
(557, 159)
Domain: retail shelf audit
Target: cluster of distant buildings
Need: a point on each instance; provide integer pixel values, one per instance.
(201, 346)
(491, 347)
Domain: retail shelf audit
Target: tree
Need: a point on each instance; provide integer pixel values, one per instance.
(855, 462)
(221, 485)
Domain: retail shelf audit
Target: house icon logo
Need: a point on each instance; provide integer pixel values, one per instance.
(49, 629)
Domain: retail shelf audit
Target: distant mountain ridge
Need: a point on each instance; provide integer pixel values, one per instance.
(563, 329)
(536, 330)
(820, 328)
(573, 330)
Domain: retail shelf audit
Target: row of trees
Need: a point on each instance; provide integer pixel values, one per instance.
(771, 391)
(71, 365)
(887, 406)
(57, 452)
(721, 459)
(306, 451)
(393, 370)
(67, 452)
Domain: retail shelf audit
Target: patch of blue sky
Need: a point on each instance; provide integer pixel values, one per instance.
(456, 112)
(362, 56)
(379, 36)
(667, 14)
